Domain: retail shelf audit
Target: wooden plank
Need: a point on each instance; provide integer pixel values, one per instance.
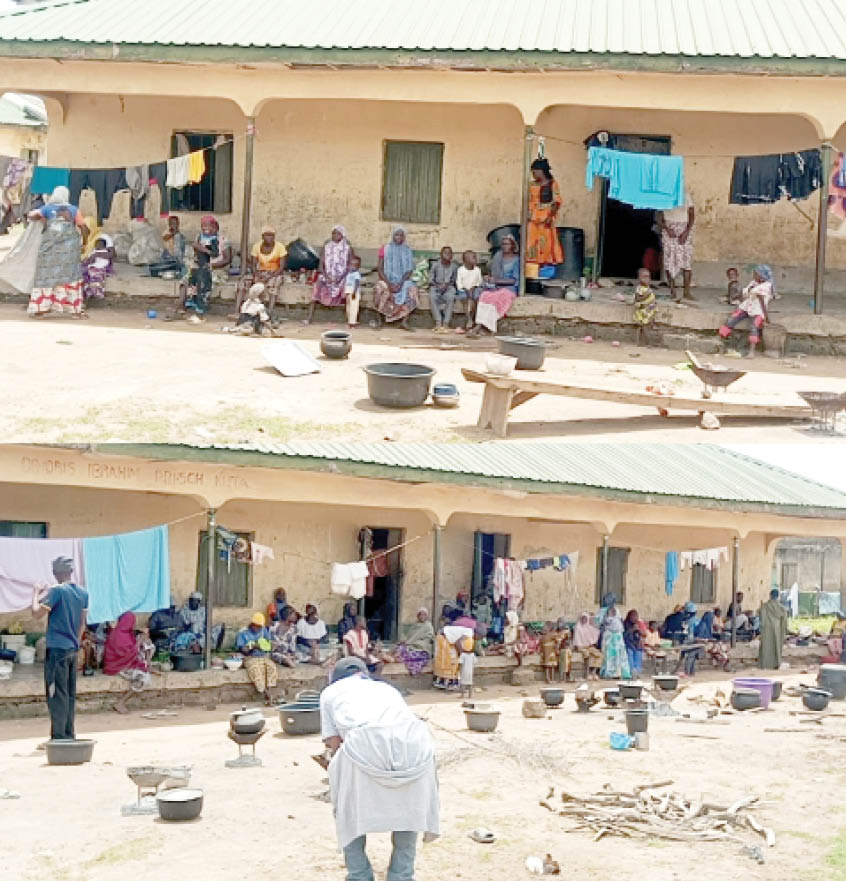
(521, 398)
(646, 399)
(499, 412)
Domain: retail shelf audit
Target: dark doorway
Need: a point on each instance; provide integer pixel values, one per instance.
(627, 234)
(487, 546)
(382, 607)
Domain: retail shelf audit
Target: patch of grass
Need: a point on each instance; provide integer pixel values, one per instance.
(836, 857)
(125, 852)
(34, 425)
(820, 625)
(804, 836)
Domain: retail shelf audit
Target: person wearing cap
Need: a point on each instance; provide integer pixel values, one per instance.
(254, 643)
(193, 618)
(65, 604)
(265, 265)
(382, 775)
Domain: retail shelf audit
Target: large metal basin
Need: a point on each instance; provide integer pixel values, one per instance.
(529, 352)
(398, 385)
(300, 718)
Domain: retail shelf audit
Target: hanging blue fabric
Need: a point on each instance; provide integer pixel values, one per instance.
(127, 573)
(642, 180)
(671, 571)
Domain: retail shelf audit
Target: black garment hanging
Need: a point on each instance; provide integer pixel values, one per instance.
(766, 179)
(105, 182)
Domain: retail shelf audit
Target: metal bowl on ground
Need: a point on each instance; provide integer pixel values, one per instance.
(630, 690)
(300, 718)
(147, 776)
(246, 721)
(445, 394)
(186, 662)
(69, 752)
(666, 682)
(745, 699)
(529, 352)
(612, 697)
(335, 343)
(816, 698)
(398, 385)
(482, 720)
(552, 696)
(180, 805)
(760, 684)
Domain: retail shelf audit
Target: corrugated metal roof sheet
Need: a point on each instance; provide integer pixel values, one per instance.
(688, 28)
(689, 471)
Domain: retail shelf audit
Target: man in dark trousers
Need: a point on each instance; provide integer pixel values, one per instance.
(66, 606)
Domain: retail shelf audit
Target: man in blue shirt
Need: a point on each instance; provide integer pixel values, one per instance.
(66, 606)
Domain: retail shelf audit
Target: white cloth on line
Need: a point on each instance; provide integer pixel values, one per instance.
(260, 553)
(685, 559)
(340, 581)
(516, 592)
(499, 579)
(177, 172)
(358, 585)
(26, 561)
(17, 270)
(384, 777)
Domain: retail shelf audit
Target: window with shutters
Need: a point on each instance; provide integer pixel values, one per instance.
(618, 566)
(411, 181)
(233, 579)
(22, 529)
(703, 584)
(214, 191)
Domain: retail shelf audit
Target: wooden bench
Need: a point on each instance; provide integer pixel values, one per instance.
(503, 394)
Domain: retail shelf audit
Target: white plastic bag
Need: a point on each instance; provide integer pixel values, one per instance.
(147, 244)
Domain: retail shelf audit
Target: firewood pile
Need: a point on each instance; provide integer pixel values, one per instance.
(654, 811)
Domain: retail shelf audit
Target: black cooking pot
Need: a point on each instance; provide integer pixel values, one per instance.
(495, 236)
(186, 662)
(180, 805)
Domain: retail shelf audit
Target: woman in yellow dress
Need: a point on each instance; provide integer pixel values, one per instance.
(445, 664)
(265, 265)
(543, 245)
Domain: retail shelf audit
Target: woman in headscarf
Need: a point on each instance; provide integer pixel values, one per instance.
(254, 643)
(446, 664)
(58, 271)
(753, 305)
(502, 284)
(347, 621)
(542, 242)
(585, 639)
(615, 662)
(417, 649)
(123, 655)
(633, 638)
(395, 295)
(265, 265)
(329, 289)
(210, 252)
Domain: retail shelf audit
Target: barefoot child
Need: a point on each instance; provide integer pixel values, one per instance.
(254, 317)
(756, 295)
(644, 303)
(549, 652)
(468, 285)
(352, 291)
(466, 661)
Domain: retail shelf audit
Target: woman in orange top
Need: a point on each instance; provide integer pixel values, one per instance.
(542, 245)
(265, 265)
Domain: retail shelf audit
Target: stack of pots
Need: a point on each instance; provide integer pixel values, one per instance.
(832, 677)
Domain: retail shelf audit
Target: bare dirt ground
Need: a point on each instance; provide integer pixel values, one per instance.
(264, 823)
(122, 377)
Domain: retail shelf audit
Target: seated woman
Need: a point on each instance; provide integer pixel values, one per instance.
(93, 647)
(585, 639)
(265, 265)
(675, 623)
(396, 296)
(419, 645)
(347, 621)
(97, 267)
(501, 290)
(277, 608)
(357, 645)
(129, 655)
(211, 253)
(254, 643)
(335, 258)
(311, 631)
(283, 640)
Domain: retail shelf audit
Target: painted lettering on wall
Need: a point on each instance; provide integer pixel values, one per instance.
(170, 477)
(230, 481)
(107, 471)
(46, 466)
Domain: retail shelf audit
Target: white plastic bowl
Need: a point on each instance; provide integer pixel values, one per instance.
(500, 365)
(233, 663)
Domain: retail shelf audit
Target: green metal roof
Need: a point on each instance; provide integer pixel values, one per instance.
(689, 474)
(807, 35)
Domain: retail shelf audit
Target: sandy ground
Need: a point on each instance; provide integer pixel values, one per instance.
(258, 823)
(120, 376)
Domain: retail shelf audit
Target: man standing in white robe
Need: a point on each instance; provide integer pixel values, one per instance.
(382, 775)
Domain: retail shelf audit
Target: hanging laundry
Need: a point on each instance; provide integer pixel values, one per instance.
(546, 562)
(46, 178)
(127, 573)
(158, 175)
(18, 267)
(138, 180)
(671, 571)
(685, 559)
(515, 588)
(642, 180)
(104, 182)
(260, 553)
(177, 172)
(757, 180)
(837, 187)
(25, 562)
(340, 579)
(377, 567)
(196, 166)
(499, 579)
(533, 565)
(359, 572)
(16, 183)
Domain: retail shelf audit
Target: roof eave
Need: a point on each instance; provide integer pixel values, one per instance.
(256, 459)
(472, 61)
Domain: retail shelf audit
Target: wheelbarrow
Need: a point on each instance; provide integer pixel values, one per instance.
(824, 406)
(713, 377)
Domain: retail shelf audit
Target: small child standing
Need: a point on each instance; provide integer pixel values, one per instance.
(468, 285)
(466, 661)
(254, 317)
(352, 291)
(733, 292)
(644, 303)
(549, 652)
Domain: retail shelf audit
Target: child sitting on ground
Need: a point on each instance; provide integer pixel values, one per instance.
(254, 317)
(733, 292)
(352, 291)
(466, 662)
(468, 286)
(756, 295)
(644, 303)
